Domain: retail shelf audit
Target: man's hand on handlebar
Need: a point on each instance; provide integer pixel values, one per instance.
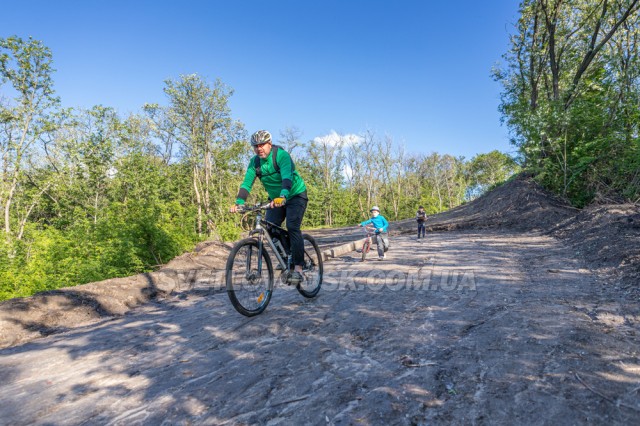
(278, 202)
(234, 208)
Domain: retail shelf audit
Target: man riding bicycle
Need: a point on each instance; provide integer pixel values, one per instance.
(287, 193)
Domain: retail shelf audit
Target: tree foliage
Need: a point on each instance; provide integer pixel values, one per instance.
(199, 118)
(570, 96)
(26, 65)
(485, 171)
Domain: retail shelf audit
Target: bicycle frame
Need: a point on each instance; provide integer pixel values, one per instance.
(260, 228)
(366, 245)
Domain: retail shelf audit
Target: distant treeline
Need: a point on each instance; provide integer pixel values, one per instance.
(87, 195)
(572, 97)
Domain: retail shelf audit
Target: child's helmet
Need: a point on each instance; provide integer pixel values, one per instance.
(375, 208)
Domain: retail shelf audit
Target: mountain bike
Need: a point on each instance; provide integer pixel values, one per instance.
(249, 271)
(369, 230)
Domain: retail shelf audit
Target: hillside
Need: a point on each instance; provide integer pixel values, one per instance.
(606, 235)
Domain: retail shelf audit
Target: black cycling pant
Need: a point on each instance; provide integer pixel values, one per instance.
(293, 211)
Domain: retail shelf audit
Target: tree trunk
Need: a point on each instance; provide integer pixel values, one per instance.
(198, 199)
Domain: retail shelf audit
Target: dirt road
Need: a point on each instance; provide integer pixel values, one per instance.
(464, 327)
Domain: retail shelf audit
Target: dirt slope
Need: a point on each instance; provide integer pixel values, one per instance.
(466, 327)
(607, 236)
(46, 313)
(519, 205)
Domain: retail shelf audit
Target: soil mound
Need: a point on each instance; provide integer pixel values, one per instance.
(50, 312)
(520, 204)
(608, 237)
(206, 255)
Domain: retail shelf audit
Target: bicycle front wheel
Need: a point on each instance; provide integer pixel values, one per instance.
(365, 249)
(249, 278)
(312, 268)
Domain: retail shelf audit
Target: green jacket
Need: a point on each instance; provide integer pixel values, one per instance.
(288, 183)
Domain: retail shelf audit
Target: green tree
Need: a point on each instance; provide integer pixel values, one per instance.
(570, 93)
(324, 170)
(199, 118)
(27, 66)
(485, 171)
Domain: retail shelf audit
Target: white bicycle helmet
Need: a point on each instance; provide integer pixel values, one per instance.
(375, 208)
(260, 137)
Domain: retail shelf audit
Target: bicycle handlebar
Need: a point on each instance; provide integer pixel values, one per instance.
(369, 229)
(247, 209)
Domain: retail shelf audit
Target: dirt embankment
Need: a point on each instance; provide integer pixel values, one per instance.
(606, 236)
(50, 312)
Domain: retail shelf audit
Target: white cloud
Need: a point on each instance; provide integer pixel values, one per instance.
(333, 138)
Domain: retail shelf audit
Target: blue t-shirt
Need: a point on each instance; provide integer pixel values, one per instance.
(378, 221)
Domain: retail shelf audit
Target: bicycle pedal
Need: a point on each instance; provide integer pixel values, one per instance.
(295, 278)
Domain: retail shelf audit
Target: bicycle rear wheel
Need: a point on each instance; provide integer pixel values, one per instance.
(249, 285)
(312, 269)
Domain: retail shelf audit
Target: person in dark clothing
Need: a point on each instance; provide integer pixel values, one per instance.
(287, 192)
(421, 218)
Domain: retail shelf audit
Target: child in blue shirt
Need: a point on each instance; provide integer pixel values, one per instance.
(381, 224)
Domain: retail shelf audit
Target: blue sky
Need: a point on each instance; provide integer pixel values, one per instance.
(417, 71)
